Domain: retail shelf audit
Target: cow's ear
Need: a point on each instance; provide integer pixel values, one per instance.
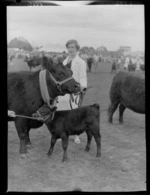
(47, 63)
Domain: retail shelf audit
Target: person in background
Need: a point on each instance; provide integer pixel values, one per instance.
(118, 63)
(138, 64)
(127, 60)
(78, 66)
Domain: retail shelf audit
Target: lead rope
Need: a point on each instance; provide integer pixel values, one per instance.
(80, 95)
(28, 117)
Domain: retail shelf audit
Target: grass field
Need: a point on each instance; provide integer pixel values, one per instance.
(121, 167)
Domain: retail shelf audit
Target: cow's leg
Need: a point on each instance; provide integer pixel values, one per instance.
(53, 142)
(27, 140)
(64, 145)
(121, 111)
(21, 126)
(96, 134)
(112, 108)
(89, 139)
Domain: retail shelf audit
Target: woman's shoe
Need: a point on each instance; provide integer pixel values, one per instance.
(76, 139)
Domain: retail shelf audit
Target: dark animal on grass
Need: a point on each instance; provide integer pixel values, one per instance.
(20, 56)
(74, 122)
(90, 61)
(12, 57)
(131, 67)
(127, 91)
(24, 95)
(33, 62)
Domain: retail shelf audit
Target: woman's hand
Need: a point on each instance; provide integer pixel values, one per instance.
(11, 113)
(83, 88)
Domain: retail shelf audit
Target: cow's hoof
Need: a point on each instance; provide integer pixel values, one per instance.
(23, 156)
(49, 154)
(98, 155)
(110, 121)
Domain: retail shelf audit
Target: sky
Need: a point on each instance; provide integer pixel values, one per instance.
(111, 26)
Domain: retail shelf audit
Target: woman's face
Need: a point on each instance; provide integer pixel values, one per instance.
(72, 50)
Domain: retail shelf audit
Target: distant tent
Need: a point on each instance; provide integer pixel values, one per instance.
(20, 44)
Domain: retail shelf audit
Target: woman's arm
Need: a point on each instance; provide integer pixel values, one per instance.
(82, 74)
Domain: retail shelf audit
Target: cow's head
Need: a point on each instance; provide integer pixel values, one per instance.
(61, 76)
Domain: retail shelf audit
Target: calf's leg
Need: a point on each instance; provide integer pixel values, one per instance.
(89, 139)
(53, 142)
(96, 134)
(64, 145)
(121, 111)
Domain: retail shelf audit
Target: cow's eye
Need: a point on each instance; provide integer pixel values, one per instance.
(61, 74)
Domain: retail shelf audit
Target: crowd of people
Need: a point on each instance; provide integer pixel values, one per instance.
(134, 60)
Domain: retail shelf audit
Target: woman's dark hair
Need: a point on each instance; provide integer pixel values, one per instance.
(73, 41)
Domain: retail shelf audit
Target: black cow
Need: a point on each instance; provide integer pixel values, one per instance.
(131, 67)
(74, 122)
(127, 91)
(24, 95)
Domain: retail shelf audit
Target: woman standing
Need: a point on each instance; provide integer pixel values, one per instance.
(78, 66)
(127, 61)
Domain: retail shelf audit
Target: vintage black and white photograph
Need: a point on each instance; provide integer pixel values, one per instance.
(76, 98)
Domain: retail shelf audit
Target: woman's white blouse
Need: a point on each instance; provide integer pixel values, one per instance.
(78, 67)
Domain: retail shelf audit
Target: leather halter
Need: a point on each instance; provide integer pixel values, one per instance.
(44, 90)
(60, 83)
